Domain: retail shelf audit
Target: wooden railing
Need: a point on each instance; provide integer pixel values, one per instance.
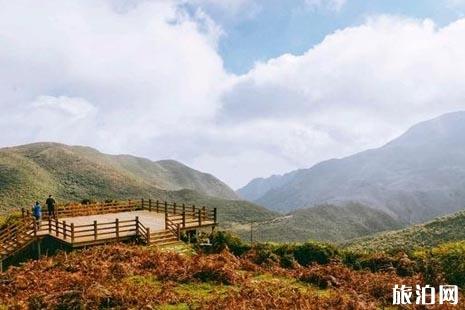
(179, 213)
(16, 236)
(107, 231)
(72, 210)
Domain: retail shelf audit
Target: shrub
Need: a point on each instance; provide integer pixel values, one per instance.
(312, 252)
(222, 240)
(451, 257)
(262, 254)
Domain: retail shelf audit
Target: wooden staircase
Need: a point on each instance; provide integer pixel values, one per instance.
(163, 237)
(17, 236)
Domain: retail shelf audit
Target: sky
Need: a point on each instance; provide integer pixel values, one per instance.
(237, 88)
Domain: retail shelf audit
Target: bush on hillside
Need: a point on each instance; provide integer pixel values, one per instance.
(222, 240)
(313, 252)
(451, 257)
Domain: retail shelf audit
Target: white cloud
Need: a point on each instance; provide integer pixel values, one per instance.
(358, 88)
(147, 70)
(147, 79)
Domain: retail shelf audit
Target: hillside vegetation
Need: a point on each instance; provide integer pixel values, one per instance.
(444, 229)
(73, 173)
(323, 223)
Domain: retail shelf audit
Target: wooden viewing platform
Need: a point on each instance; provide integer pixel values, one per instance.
(78, 225)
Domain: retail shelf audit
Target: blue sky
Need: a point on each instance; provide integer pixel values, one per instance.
(262, 30)
(237, 88)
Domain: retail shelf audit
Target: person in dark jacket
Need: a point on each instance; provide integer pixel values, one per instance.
(50, 202)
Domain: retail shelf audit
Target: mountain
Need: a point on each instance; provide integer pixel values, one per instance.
(74, 173)
(323, 223)
(416, 177)
(260, 186)
(440, 230)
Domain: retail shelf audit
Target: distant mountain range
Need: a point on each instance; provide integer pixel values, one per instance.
(416, 177)
(73, 173)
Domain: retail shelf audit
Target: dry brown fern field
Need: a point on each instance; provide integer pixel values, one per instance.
(132, 277)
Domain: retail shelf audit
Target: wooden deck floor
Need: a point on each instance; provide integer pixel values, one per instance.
(154, 221)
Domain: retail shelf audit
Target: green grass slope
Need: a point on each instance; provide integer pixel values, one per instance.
(449, 228)
(74, 173)
(324, 223)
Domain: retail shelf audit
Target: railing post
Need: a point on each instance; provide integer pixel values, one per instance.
(137, 226)
(129, 204)
(200, 217)
(142, 203)
(193, 210)
(95, 230)
(166, 220)
(57, 231)
(203, 212)
(72, 232)
(174, 207)
(215, 214)
(150, 205)
(64, 230)
(183, 208)
(117, 229)
(158, 206)
(49, 226)
(166, 207)
(178, 230)
(183, 219)
(148, 235)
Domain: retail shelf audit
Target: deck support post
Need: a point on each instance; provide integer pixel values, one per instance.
(38, 249)
(215, 215)
(1, 265)
(72, 233)
(95, 230)
(178, 231)
(148, 236)
(23, 212)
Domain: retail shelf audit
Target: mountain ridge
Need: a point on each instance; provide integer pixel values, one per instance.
(73, 173)
(415, 177)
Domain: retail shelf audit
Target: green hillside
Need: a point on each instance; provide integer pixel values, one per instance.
(441, 230)
(324, 223)
(73, 173)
